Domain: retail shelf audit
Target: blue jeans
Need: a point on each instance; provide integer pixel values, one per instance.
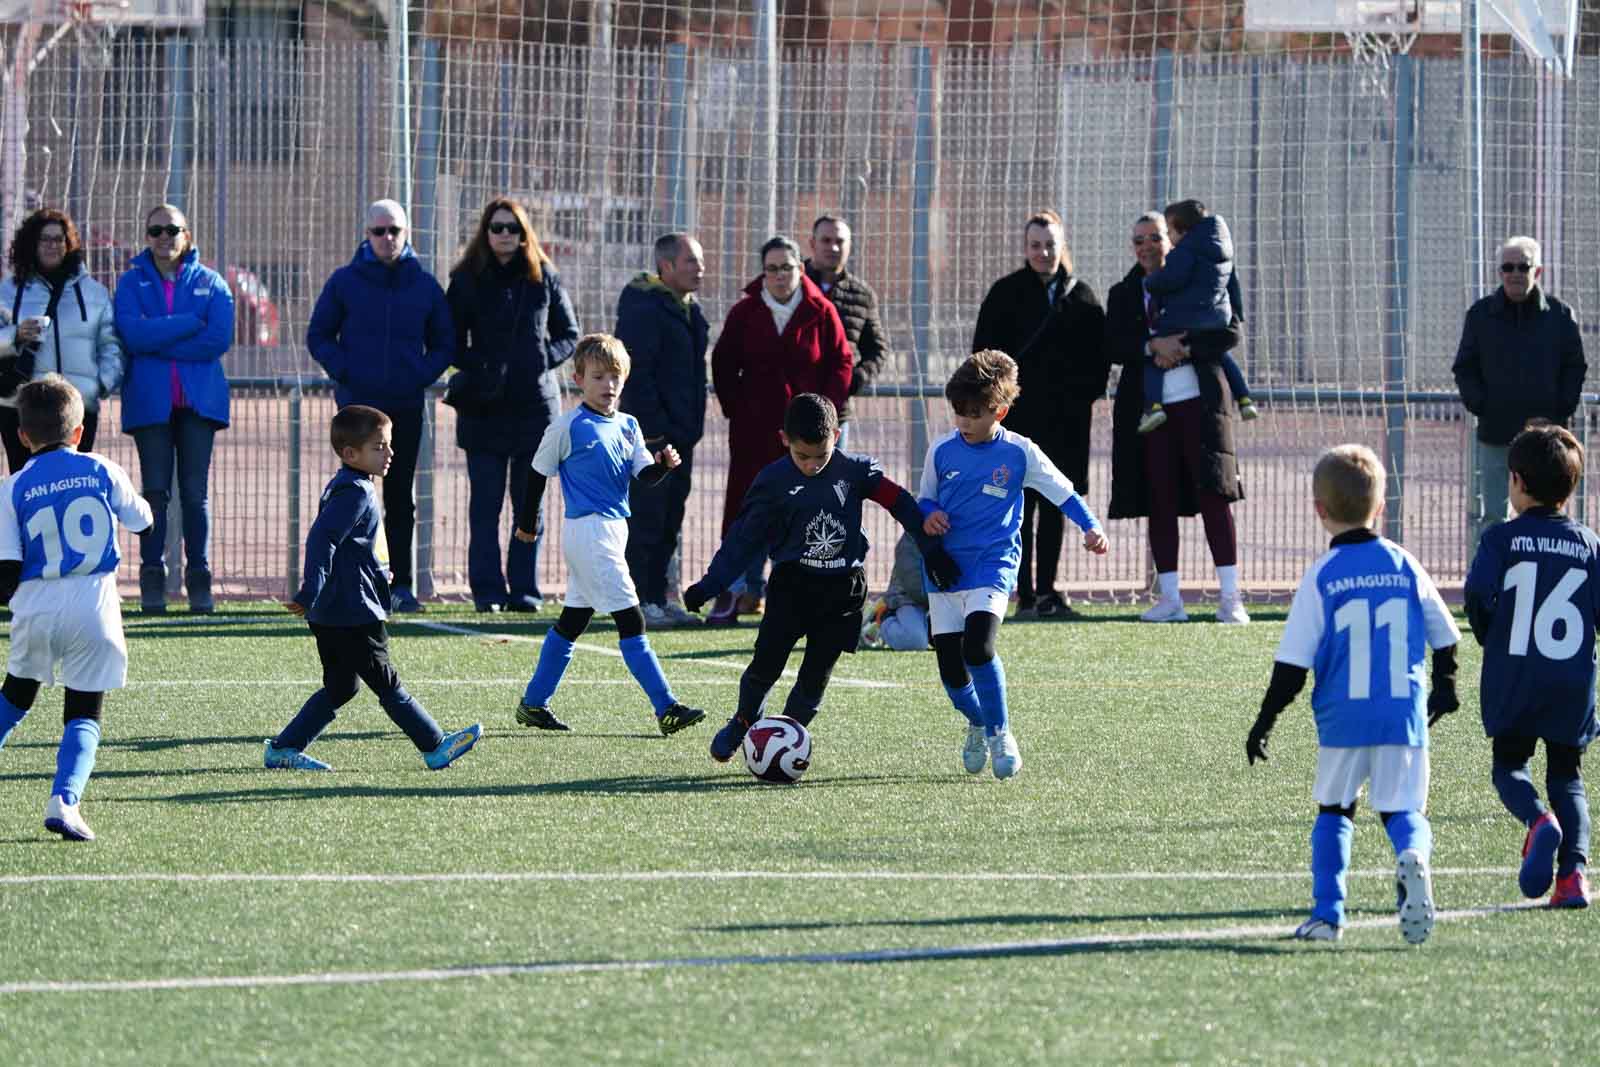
(486, 491)
(188, 437)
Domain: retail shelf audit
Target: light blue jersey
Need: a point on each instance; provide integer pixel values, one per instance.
(59, 514)
(1362, 621)
(980, 488)
(597, 457)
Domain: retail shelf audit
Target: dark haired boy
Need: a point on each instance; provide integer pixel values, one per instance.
(971, 493)
(58, 571)
(345, 599)
(1533, 599)
(804, 511)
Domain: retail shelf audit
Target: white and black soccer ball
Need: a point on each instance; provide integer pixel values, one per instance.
(777, 749)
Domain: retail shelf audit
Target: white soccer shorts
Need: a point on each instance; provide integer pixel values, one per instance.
(949, 611)
(1398, 777)
(74, 622)
(597, 566)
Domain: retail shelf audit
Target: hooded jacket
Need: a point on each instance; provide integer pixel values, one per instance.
(382, 333)
(1191, 289)
(81, 343)
(666, 339)
(194, 335)
(1519, 361)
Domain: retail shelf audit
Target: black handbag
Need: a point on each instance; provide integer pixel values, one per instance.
(477, 390)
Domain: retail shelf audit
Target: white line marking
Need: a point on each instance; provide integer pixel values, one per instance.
(584, 646)
(723, 876)
(1276, 931)
(316, 683)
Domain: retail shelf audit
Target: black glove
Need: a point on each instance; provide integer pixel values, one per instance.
(1443, 700)
(695, 597)
(1255, 746)
(941, 567)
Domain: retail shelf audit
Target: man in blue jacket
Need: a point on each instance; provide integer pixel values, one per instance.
(664, 330)
(1520, 358)
(381, 329)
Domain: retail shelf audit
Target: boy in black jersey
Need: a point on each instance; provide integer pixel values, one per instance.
(805, 512)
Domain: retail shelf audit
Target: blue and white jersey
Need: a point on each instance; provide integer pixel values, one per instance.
(59, 514)
(1362, 621)
(980, 488)
(597, 457)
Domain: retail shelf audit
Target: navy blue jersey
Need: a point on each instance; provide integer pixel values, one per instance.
(813, 521)
(346, 580)
(1535, 583)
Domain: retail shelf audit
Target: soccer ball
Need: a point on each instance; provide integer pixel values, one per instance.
(777, 749)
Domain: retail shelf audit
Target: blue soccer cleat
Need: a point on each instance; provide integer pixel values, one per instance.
(453, 747)
(727, 740)
(290, 759)
(1539, 856)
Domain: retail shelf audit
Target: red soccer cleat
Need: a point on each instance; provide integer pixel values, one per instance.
(1572, 891)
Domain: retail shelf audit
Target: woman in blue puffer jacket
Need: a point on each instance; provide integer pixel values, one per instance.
(175, 316)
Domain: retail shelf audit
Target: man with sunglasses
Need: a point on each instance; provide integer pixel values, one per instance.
(382, 331)
(1520, 358)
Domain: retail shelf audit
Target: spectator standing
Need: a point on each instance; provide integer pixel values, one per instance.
(514, 326)
(382, 331)
(1047, 319)
(660, 322)
(856, 303)
(175, 317)
(1520, 358)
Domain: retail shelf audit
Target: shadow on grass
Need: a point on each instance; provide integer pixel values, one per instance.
(999, 920)
(162, 744)
(104, 775)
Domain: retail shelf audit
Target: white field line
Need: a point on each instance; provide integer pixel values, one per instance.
(721, 876)
(1275, 931)
(316, 683)
(584, 646)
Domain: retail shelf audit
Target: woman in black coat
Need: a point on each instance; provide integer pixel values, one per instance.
(1185, 467)
(514, 326)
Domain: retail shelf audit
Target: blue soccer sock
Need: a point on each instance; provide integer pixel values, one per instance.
(1331, 835)
(646, 670)
(1570, 802)
(1410, 829)
(314, 716)
(75, 759)
(966, 701)
(989, 679)
(1517, 792)
(10, 716)
(409, 714)
(554, 655)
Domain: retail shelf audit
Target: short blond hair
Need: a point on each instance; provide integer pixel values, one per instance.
(1349, 482)
(601, 350)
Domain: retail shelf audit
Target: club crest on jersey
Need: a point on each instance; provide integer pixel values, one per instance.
(825, 538)
(999, 479)
(841, 489)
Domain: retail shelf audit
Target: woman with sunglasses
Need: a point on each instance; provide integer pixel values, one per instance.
(58, 319)
(175, 316)
(514, 326)
(1520, 358)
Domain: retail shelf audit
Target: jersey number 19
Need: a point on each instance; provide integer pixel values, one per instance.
(86, 538)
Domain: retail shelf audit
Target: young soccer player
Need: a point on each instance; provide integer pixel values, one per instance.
(971, 493)
(345, 598)
(1196, 294)
(804, 511)
(1361, 618)
(1533, 599)
(597, 451)
(58, 570)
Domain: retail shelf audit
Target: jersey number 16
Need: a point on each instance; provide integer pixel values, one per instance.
(1523, 580)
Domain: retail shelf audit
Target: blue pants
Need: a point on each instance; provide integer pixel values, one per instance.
(653, 525)
(188, 437)
(486, 492)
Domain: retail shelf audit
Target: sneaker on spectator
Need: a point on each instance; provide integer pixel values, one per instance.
(680, 615)
(488, 607)
(724, 611)
(1152, 419)
(1572, 891)
(974, 750)
(404, 601)
(1248, 412)
(1166, 611)
(1230, 610)
(531, 603)
(153, 589)
(198, 584)
(656, 617)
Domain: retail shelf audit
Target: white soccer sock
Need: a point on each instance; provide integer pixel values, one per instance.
(1229, 578)
(1167, 586)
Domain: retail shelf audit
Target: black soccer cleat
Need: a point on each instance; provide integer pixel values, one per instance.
(539, 718)
(728, 739)
(678, 717)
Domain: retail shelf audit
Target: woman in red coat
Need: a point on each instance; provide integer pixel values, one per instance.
(781, 339)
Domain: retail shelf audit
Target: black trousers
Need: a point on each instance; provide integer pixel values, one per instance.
(1067, 446)
(827, 612)
(17, 454)
(399, 497)
(653, 525)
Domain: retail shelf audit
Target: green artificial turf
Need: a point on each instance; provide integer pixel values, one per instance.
(612, 896)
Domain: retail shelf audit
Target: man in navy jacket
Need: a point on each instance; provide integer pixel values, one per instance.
(381, 329)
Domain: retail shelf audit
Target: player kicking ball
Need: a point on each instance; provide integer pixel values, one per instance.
(58, 571)
(1363, 617)
(804, 511)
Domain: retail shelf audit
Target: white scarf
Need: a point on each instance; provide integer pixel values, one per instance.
(782, 313)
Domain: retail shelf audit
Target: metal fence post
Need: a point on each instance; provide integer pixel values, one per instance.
(1397, 335)
(180, 60)
(925, 177)
(764, 174)
(677, 148)
(422, 543)
(292, 533)
(424, 213)
(1163, 129)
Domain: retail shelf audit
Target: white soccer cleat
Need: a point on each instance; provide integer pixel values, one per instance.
(1315, 929)
(1230, 610)
(1414, 884)
(1003, 754)
(975, 751)
(1166, 611)
(65, 819)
